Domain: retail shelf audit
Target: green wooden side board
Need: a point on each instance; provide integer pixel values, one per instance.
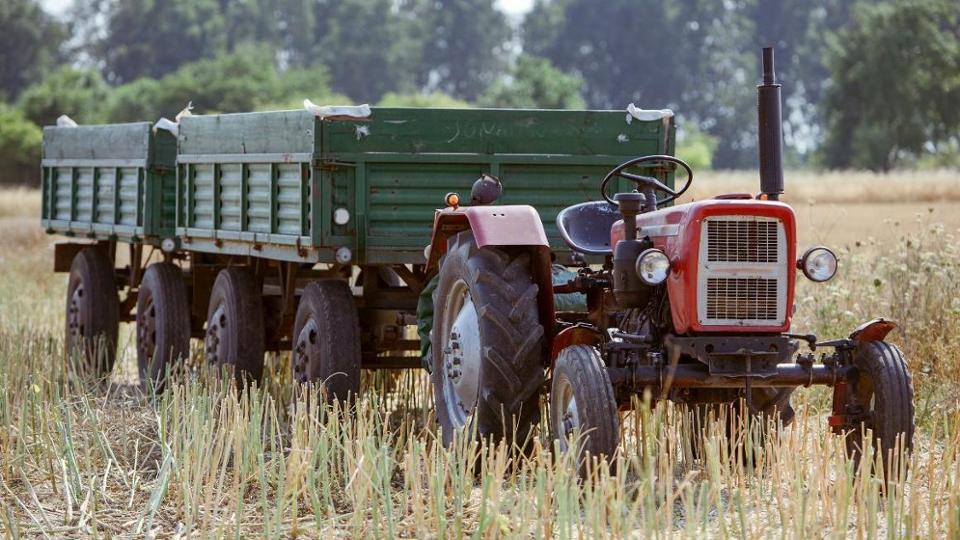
(290, 186)
(259, 183)
(109, 182)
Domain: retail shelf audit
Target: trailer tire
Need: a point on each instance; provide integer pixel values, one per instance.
(326, 340)
(885, 390)
(487, 343)
(582, 404)
(234, 333)
(163, 322)
(93, 311)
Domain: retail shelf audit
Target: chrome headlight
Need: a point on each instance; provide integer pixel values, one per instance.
(818, 264)
(653, 266)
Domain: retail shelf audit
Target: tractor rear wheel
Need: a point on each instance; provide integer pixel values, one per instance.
(93, 311)
(326, 339)
(583, 410)
(234, 334)
(487, 342)
(882, 394)
(163, 322)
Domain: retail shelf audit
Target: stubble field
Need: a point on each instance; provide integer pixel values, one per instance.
(83, 458)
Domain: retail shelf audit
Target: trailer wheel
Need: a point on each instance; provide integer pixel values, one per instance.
(234, 333)
(326, 336)
(882, 402)
(582, 405)
(93, 311)
(163, 321)
(487, 343)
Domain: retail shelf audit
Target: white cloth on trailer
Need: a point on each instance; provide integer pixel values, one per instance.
(168, 125)
(345, 111)
(65, 121)
(646, 115)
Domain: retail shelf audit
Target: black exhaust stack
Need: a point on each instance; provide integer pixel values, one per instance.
(770, 138)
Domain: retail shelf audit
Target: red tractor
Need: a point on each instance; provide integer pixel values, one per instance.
(692, 303)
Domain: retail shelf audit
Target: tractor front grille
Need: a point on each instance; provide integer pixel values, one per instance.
(742, 277)
(730, 240)
(742, 298)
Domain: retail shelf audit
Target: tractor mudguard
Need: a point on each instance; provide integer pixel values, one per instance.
(510, 225)
(873, 330)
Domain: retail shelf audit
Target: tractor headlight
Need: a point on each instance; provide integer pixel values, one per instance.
(818, 264)
(653, 266)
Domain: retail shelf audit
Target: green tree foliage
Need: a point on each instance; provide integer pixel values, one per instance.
(696, 148)
(463, 46)
(245, 80)
(20, 142)
(699, 57)
(535, 84)
(150, 38)
(368, 46)
(435, 100)
(618, 49)
(896, 73)
(78, 93)
(30, 43)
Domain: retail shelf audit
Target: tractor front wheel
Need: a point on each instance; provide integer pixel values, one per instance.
(583, 410)
(487, 342)
(879, 403)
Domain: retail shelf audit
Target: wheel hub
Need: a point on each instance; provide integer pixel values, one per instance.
(215, 327)
(304, 350)
(147, 328)
(461, 355)
(74, 322)
(567, 417)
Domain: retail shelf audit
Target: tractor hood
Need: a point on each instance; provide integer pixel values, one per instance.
(733, 263)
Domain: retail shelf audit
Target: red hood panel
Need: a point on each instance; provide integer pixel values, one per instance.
(676, 230)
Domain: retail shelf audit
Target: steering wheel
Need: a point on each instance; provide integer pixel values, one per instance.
(647, 181)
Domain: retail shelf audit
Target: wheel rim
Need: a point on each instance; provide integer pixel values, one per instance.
(460, 347)
(147, 328)
(566, 417)
(216, 326)
(74, 319)
(307, 347)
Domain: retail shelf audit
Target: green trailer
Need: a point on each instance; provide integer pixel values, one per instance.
(109, 182)
(258, 215)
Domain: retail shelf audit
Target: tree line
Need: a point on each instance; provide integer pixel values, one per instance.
(868, 84)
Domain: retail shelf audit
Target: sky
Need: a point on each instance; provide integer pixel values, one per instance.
(514, 7)
(511, 7)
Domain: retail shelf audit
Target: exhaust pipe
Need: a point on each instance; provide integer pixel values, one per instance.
(769, 133)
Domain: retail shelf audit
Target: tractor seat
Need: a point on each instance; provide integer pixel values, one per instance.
(585, 227)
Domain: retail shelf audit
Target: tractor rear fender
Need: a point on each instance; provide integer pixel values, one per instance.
(516, 225)
(509, 226)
